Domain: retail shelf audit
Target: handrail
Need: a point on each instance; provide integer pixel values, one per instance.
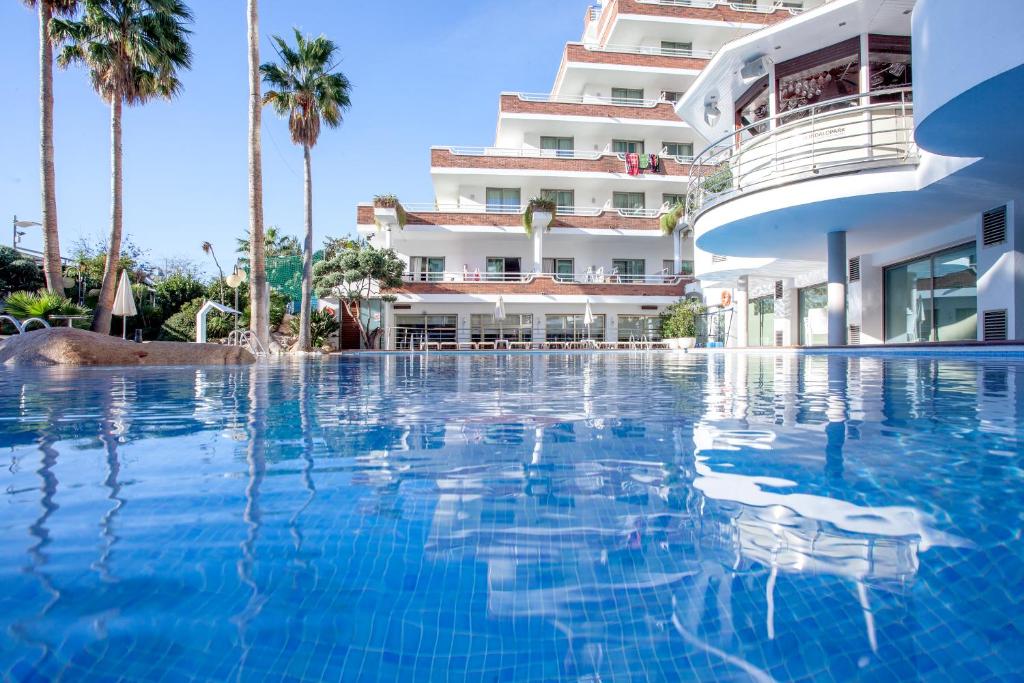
(651, 50)
(21, 326)
(587, 99)
(483, 278)
(535, 153)
(752, 7)
(827, 137)
(428, 207)
(246, 339)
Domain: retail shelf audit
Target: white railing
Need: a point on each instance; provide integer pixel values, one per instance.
(837, 136)
(525, 153)
(652, 50)
(598, 276)
(246, 339)
(426, 207)
(586, 99)
(595, 13)
(738, 6)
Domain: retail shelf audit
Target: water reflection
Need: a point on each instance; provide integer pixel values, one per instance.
(536, 517)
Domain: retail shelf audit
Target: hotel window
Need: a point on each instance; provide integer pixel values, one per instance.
(827, 74)
(797, 5)
(888, 65)
(685, 267)
(672, 96)
(503, 200)
(572, 328)
(629, 203)
(627, 96)
(682, 150)
(628, 146)
(629, 269)
(565, 200)
(411, 330)
(675, 49)
(559, 147)
(484, 328)
(426, 268)
(933, 298)
(752, 107)
(673, 199)
(562, 268)
(634, 327)
(504, 268)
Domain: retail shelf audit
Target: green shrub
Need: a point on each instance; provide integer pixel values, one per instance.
(18, 272)
(41, 304)
(182, 325)
(680, 319)
(176, 290)
(321, 326)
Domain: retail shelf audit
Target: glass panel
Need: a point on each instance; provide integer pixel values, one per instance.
(813, 304)
(629, 270)
(564, 199)
(627, 96)
(678, 149)
(888, 70)
(628, 146)
(571, 328)
(562, 268)
(638, 327)
(673, 199)
(753, 111)
(908, 302)
(414, 329)
(955, 295)
(629, 201)
(513, 328)
(563, 147)
(673, 48)
(503, 200)
(831, 80)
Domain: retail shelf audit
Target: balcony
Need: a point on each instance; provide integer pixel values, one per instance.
(637, 55)
(586, 106)
(462, 283)
(557, 161)
(705, 10)
(839, 136)
(510, 217)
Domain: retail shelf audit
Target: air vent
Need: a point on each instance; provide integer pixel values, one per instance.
(993, 227)
(854, 336)
(778, 289)
(715, 258)
(855, 269)
(994, 325)
(778, 338)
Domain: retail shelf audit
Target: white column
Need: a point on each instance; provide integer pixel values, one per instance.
(837, 288)
(787, 313)
(677, 251)
(387, 237)
(538, 251)
(740, 312)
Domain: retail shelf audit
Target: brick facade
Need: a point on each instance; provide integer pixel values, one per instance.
(609, 163)
(544, 286)
(575, 52)
(663, 111)
(608, 219)
(723, 12)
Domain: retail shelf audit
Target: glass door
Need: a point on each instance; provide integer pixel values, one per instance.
(761, 322)
(934, 298)
(503, 200)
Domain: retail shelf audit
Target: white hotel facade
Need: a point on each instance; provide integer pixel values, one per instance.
(850, 178)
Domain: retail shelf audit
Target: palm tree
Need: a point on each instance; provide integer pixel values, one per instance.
(208, 250)
(305, 88)
(274, 245)
(48, 175)
(259, 302)
(133, 50)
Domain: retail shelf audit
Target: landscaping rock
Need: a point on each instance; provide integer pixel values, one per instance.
(66, 346)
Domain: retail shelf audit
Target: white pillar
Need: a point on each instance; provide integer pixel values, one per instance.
(837, 265)
(387, 237)
(677, 251)
(538, 251)
(740, 312)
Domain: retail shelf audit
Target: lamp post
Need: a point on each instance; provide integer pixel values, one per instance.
(15, 234)
(234, 281)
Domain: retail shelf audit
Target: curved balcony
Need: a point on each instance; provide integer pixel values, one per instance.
(841, 136)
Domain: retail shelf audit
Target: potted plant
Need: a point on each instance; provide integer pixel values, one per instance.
(679, 323)
(539, 211)
(387, 210)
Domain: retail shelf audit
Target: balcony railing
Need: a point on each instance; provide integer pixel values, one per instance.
(526, 153)
(513, 210)
(586, 99)
(655, 51)
(838, 136)
(738, 6)
(597, 277)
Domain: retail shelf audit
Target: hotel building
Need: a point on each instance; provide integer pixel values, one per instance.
(615, 95)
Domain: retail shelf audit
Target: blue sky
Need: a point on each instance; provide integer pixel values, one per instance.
(425, 73)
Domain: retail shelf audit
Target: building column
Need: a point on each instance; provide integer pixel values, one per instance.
(677, 251)
(837, 265)
(787, 314)
(740, 312)
(387, 237)
(538, 251)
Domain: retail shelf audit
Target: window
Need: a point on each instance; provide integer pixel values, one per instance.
(685, 267)
(412, 330)
(674, 49)
(752, 107)
(671, 96)
(888, 65)
(562, 268)
(629, 203)
(565, 200)
(560, 147)
(426, 268)
(571, 328)
(934, 298)
(636, 327)
(797, 5)
(628, 146)
(813, 308)
(629, 269)
(673, 199)
(503, 200)
(827, 74)
(627, 96)
(678, 149)
(503, 268)
(484, 328)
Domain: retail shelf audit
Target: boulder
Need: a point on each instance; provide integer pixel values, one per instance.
(68, 346)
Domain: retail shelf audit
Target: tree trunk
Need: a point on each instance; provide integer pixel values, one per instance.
(51, 240)
(305, 336)
(259, 302)
(101, 316)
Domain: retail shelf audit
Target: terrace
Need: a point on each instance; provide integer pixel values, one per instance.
(543, 104)
(533, 159)
(451, 216)
(544, 284)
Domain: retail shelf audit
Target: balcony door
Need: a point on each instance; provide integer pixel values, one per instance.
(504, 200)
(501, 268)
(562, 268)
(629, 269)
(565, 200)
(761, 322)
(556, 146)
(426, 268)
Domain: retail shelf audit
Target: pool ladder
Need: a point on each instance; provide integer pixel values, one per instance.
(22, 327)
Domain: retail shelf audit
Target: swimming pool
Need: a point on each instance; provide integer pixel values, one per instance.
(622, 516)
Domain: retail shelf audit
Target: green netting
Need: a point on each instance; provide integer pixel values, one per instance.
(284, 274)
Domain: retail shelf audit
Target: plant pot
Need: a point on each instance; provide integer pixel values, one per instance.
(681, 343)
(542, 220)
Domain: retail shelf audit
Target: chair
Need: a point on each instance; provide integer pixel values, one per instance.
(466, 346)
(449, 346)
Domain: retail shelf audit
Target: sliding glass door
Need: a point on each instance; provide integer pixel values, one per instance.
(934, 298)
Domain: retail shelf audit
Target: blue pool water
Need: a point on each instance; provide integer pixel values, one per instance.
(612, 517)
